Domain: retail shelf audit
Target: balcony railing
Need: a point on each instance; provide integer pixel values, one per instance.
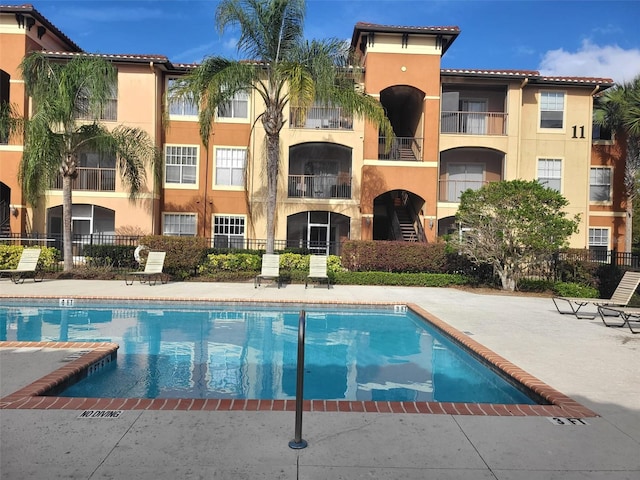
(450, 190)
(473, 123)
(322, 117)
(97, 179)
(402, 148)
(319, 186)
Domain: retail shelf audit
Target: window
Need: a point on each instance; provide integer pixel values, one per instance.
(179, 224)
(600, 184)
(549, 173)
(599, 243)
(4, 104)
(181, 163)
(462, 177)
(551, 110)
(237, 107)
(109, 111)
(601, 133)
(230, 163)
(228, 231)
(183, 107)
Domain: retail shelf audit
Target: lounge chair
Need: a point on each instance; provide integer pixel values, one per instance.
(27, 265)
(317, 270)
(620, 298)
(626, 316)
(270, 269)
(152, 270)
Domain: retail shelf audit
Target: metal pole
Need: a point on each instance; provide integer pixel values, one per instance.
(298, 442)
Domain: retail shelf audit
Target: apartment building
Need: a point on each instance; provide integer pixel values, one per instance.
(455, 129)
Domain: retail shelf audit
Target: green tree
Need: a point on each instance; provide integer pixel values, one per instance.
(62, 93)
(618, 109)
(284, 69)
(511, 225)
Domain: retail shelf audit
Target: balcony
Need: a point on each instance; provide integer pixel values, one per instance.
(450, 190)
(320, 118)
(319, 186)
(473, 123)
(96, 179)
(402, 149)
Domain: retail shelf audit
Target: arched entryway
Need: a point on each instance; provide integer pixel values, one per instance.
(86, 220)
(397, 215)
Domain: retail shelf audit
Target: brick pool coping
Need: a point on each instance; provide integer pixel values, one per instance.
(33, 396)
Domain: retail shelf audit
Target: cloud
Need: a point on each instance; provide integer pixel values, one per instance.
(591, 60)
(195, 54)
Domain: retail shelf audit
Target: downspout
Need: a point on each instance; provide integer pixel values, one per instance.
(523, 84)
(155, 133)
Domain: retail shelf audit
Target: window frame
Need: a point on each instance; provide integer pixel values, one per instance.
(181, 184)
(548, 179)
(180, 215)
(184, 105)
(228, 186)
(232, 102)
(544, 93)
(228, 235)
(607, 185)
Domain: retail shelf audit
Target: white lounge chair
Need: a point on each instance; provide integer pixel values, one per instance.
(270, 269)
(27, 265)
(625, 315)
(152, 270)
(318, 270)
(620, 298)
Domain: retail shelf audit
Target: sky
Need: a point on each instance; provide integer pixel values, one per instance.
(586, 38)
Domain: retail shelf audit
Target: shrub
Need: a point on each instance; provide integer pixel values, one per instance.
(10, 256)
(569, 289)
(528, 285)
(400, 279)
(184, 254)
(116, 255)
(366, 256)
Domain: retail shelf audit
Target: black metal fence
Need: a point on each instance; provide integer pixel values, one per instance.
(83, 248)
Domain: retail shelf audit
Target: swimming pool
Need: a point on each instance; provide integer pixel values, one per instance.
(248, 351)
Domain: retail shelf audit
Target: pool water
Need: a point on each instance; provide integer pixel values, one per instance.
(247, 352)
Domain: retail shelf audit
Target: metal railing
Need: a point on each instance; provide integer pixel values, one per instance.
(321, 117)
(109, 110)
(319, 186)
(96, 179)
(401, 148)
(473, 123)
(450, 190)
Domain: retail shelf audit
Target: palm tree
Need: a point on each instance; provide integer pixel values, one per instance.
(618, 109)
(284, 69)
(63, 93)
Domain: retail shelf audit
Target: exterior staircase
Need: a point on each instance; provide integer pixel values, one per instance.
(406, 223)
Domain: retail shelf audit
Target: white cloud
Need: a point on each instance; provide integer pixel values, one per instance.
(591, 60)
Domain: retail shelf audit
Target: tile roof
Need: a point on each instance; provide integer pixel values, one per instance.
(531, 75)
(29, 9)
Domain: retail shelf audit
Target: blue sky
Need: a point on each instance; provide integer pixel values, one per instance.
(572, 38)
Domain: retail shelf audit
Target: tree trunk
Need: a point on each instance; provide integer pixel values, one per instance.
(273, 150)
(628, 228)
(67, 240)
(272, 122)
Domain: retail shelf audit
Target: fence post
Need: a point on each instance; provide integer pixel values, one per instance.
(614, 258)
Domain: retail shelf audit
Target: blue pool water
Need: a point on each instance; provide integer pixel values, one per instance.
(243, 351)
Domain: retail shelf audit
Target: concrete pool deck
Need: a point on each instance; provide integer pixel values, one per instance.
(598, 367)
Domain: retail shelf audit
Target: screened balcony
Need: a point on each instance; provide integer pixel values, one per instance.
(320, 186)
(321, 117)
(474, 109)
(96, 179)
